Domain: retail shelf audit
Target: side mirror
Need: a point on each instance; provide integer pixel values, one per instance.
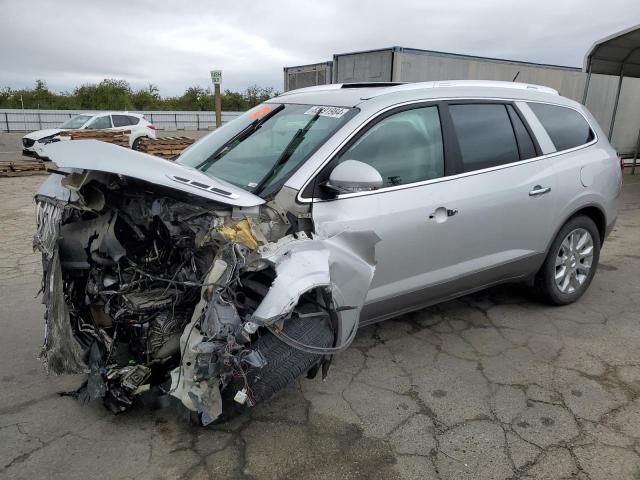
(354, 176)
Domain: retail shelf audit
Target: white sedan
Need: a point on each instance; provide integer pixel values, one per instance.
(34, 142)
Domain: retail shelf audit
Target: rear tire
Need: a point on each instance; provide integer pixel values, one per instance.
(136, 144)
(571, 262)
(284, 363)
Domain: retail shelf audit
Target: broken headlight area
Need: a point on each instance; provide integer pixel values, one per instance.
(147, 287)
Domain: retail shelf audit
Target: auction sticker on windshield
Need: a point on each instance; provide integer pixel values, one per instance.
(333, 112)
(260, 111)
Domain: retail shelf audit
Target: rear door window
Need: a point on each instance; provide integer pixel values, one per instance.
(133, 120)
(566, 127)
(485, 135)
(121, 120)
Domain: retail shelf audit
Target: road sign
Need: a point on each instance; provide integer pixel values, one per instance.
(216, 76)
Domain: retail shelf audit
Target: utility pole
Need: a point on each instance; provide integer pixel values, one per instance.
(216, 79)
(24, 117)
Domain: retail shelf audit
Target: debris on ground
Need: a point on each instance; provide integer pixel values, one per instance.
(167, 147)
(18, 168)
(119, 137)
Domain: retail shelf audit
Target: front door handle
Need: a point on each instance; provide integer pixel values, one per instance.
(539, 190)
(440, 214)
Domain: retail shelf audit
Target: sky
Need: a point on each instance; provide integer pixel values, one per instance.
(175, 44)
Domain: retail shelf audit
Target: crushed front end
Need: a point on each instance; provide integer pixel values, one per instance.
(150, 288)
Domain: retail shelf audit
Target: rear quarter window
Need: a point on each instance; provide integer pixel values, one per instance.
(566, 127)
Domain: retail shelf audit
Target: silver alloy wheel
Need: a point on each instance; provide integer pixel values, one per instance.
(574, 260)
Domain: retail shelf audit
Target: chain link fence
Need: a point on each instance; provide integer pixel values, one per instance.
(30, 120)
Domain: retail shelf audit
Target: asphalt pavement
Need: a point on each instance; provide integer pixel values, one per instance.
(490, 386)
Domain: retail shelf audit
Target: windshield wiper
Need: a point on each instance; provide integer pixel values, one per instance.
(291, 147)
(239, 137)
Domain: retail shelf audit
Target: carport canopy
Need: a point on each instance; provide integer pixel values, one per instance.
(618, 55)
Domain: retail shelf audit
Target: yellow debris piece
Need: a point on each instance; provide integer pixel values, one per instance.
(241, 233)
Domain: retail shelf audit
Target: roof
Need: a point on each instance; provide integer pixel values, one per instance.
(96, 113)
(436, 53)
(617, 54)
(353, 94)
(328, 63)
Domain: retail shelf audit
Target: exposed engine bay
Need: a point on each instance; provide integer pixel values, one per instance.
(148, 287)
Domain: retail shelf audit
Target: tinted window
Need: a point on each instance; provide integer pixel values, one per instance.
(100, 122)
(133, 120)
(120, 120)
(525, 144)
(566, 127)
(485, 135)
(405, 147)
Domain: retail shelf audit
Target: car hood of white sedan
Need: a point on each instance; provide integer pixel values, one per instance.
(105, 157)
(38, 134)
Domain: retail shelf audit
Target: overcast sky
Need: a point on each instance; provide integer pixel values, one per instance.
(174, 44)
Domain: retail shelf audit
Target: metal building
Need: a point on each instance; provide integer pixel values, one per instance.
(307, 75)
(400, 64)
(617, 56)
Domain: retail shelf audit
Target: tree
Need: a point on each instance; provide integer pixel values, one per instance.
(146, 98)
(113, 94)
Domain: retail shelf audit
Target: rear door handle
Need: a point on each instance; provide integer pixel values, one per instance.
(539, 190)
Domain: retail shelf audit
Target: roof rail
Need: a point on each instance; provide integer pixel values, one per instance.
(391, 87)
(371, 84)
(465, 83)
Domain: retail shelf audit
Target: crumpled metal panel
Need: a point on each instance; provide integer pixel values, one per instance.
(197, 395)
(302, 268)
(104, 157)
(345, 262)
(60, 353)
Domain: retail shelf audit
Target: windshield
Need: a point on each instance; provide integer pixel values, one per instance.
(262, 147)
(75, 122)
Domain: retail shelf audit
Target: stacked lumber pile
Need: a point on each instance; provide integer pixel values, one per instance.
(120, 137)
(18, 168)
(166, 147)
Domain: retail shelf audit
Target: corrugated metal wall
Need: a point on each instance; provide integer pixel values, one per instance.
(30, 120)
(372, 66)
(307, 75)
(413, 67)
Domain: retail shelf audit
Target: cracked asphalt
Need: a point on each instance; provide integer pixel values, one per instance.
(490, 386)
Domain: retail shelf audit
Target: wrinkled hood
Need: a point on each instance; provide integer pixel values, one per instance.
(47, 132)
(105, 157)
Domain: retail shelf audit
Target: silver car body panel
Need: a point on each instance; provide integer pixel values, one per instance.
(501, 233)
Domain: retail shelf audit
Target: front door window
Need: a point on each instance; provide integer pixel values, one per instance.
(405, 147)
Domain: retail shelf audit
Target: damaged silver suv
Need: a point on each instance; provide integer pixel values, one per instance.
(254, 257)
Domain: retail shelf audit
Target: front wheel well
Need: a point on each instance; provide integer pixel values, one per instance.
(595, 214)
